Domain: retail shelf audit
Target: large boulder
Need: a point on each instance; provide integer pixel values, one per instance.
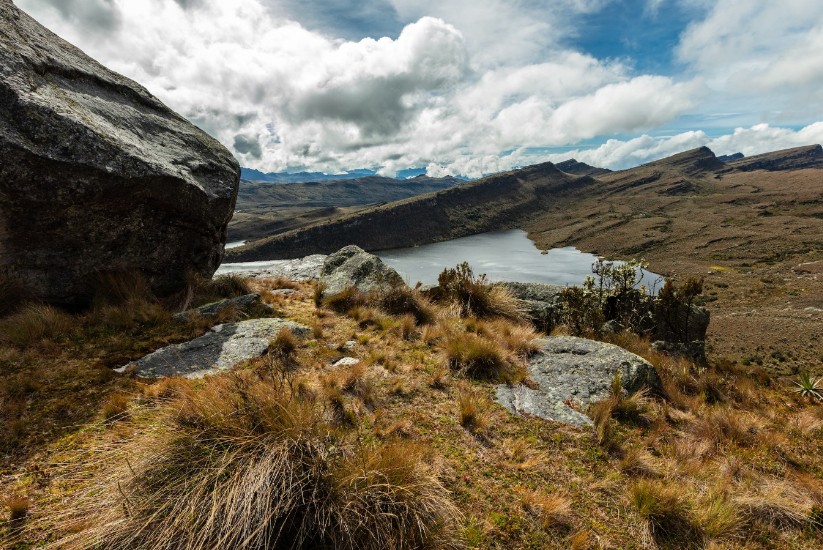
(97, 175)
(352, 266)
(570, 373)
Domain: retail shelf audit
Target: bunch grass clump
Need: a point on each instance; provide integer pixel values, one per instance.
(248, 463)
(474, 296)
(478, 357)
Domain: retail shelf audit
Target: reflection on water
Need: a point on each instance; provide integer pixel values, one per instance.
(502, 256)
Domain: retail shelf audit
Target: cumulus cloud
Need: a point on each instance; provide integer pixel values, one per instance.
(459, 86)
(760, 46)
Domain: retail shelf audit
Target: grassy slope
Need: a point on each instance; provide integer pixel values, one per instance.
(743, 451)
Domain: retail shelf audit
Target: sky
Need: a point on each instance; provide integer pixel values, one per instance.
(466, 87)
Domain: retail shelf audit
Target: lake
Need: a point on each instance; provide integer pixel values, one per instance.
(501, 255)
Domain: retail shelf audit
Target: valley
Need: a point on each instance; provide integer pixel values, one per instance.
(753, 228)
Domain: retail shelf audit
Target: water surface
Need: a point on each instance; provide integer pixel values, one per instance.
(501, 255)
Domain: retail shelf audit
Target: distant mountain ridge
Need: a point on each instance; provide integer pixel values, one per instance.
(250, 174)
(527, 198)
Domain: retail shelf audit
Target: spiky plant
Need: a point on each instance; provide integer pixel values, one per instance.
(809, 387)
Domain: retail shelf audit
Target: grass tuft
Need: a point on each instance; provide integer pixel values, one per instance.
(35, 323)
(246, 463)
(478, 357)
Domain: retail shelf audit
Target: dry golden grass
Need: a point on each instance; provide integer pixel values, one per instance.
(116, 408)
(480, 358)
(721, 447)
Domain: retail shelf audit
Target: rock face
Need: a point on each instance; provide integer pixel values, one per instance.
(682, 331)
(221, 349)
(352, 266)
(575, 371)
(97, 175)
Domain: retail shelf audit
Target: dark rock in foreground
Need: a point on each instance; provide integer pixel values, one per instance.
(571, 374)
(97, 175)
(221, 349)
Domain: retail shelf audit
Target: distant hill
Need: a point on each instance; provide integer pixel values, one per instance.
(730, 158)
(810, 156)
(264, 208)
(250, 174)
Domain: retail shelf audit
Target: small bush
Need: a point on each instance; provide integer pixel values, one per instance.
(614, 293)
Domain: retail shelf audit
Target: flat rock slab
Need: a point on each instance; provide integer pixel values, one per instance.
(245, 302)
(221, 349)
(569, 370)
(300, 269)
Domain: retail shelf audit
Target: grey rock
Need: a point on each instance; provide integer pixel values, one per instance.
(213, 309)
(567, 369)
(347, 362)
(97, 175)
(538, 292)
(299, 269)
(352, 266)
(221, 349)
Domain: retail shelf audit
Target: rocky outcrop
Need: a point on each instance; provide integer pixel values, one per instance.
(572, 373)
(352, 266)
(221, 349)
(243, 303)
(97, 175)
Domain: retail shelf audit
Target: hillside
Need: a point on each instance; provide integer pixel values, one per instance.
(265, 208)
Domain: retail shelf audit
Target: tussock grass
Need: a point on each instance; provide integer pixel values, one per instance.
(14, 293)
(668, 514)
(780, 504)
(35, 323)
(554, 511)
(116, 408)
(474, 296)
(247, 464)
(18, 507)
(402, 300)
(471, 409)
(479, 358)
